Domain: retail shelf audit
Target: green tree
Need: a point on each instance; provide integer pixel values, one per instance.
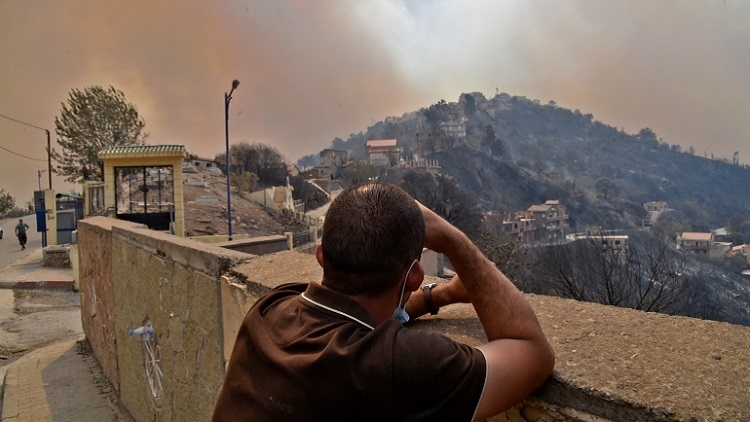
(7, 202)
(647, 137)
(245, 182)
(437, 113)
(470, 105)
(360, 172)
(607, 188)
(489, 139)
(263, 161)
(93, 119)
(736, 223)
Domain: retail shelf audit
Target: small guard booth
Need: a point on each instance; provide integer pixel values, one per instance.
(143, 184)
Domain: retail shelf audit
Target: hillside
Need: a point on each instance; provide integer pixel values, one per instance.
(518, 152)
(537, 152)
(205, 210)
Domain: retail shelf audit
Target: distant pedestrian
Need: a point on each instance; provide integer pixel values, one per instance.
(21, 228)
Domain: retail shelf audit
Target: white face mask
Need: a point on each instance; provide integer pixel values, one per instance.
(399, 313)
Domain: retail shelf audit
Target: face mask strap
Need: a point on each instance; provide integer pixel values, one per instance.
(400, 313)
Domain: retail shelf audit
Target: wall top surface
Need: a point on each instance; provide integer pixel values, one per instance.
(610, 360)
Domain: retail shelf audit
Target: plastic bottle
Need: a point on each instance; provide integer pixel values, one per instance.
(146, 331)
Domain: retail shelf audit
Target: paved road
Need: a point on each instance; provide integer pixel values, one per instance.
(10, 250)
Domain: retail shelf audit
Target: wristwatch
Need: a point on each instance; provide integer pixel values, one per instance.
(427, 290)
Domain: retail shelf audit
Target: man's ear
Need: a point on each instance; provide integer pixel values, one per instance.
(416, 276)
(319, 255)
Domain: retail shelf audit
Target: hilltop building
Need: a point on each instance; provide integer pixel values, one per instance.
(742, 250)
(383, 152)
(204, 163)
(543, 223)
(617, 245)
(332, 164)
(552, 221)
(454, 129)
(702, 244)
(421, 166)
(654, 208)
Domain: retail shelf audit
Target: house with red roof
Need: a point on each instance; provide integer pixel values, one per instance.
(383, 152)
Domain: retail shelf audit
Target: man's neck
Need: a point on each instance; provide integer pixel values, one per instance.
(380, 307)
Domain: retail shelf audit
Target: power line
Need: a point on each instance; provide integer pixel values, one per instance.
(20, 155)
(49, 147)
(24, 123)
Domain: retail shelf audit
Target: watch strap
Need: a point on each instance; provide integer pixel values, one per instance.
(427, 290)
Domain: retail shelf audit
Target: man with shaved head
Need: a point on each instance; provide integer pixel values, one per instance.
(339, 351)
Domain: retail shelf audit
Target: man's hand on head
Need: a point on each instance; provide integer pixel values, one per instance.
(438, 232)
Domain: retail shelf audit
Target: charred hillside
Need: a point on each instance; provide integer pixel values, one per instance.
(518, 152)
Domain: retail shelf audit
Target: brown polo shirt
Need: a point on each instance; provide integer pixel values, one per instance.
(308, 353)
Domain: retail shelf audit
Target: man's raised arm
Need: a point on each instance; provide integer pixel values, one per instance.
(519, 358)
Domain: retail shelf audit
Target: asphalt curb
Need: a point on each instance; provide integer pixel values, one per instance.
(31, 285)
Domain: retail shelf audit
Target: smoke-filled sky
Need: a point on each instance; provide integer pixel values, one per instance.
(313, 70)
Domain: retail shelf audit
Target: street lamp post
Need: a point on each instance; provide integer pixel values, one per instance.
(227, 99)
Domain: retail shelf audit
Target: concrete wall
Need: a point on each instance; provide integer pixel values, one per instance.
(50, 206)
(262, 245)
(613, 364)
(97, 293)
(174, 284)
(219, 238)
(264, 197)
(432, 262)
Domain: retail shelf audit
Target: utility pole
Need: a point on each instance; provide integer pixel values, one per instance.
(39, 178)
(49, 161)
